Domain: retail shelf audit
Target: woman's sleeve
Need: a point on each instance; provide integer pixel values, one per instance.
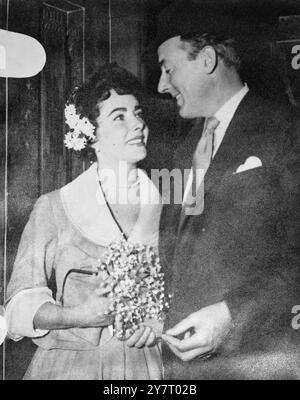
(28, 287)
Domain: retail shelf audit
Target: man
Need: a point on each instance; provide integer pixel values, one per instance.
(232, 265)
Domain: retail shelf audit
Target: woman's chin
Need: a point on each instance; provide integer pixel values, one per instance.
(137, 155)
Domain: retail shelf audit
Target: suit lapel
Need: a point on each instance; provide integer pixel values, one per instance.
(235, 144)
(183, 161)
(232, 151)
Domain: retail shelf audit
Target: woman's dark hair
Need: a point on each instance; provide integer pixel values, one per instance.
(97, 89)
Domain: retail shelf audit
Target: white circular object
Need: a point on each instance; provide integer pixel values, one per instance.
(21, 56)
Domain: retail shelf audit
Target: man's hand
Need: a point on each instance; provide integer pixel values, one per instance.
(203, 332)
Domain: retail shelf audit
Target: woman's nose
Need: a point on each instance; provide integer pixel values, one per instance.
(138, 124)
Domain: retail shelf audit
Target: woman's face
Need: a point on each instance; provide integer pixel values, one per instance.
(121, 131)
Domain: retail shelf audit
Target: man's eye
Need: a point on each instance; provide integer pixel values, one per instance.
(119, 117)
(168, 71)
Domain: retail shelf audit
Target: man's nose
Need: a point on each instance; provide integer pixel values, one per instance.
(163, 84)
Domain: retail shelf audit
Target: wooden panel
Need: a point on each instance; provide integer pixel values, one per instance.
(2, 203)
(127, 34)
(2, 181)
(25, 151)
(23, 132)
(2, 184)
(62, 37)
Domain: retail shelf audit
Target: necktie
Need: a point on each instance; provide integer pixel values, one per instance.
(201, 161)
(204, 150)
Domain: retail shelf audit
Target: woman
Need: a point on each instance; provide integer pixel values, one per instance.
(3, 328)
(67, 234)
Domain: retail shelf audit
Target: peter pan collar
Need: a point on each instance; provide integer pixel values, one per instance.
(92, 218)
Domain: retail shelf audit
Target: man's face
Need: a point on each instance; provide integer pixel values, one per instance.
(185, 80)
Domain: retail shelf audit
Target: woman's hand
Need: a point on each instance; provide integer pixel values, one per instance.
(3, 327)
(95, 311)
(144, 336)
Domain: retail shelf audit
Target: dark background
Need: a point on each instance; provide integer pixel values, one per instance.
(119, 30)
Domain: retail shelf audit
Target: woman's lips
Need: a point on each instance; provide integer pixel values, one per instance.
(137, 141)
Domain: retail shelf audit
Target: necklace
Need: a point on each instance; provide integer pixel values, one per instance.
(112, 213)
(131, 184)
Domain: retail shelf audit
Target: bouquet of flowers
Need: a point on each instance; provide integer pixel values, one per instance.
(137, 286)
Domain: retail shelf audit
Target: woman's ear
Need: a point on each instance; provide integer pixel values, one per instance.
(210, 59)
(96, 146)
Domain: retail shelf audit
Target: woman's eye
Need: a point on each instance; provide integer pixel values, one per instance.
(140, 114)
(119, 117)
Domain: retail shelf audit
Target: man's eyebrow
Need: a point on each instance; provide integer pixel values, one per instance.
(123, 109)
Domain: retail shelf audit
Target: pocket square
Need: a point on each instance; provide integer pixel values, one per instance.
(250, 163)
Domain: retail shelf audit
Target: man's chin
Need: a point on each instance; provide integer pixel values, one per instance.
(186, 114)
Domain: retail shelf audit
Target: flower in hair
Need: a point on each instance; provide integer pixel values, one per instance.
(81, 129)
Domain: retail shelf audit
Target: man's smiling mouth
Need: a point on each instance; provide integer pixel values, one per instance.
(179, 98)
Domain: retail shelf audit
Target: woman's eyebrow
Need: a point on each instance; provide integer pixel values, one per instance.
(123, 109)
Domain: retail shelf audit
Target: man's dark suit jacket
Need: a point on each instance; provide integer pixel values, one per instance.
(244, 248)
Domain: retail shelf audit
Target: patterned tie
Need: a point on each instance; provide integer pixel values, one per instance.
(201, 161)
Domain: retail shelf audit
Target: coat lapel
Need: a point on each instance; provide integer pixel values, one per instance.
(183, 161)
(232, 151)
(85, 207)
(147, 226)
(235, 145)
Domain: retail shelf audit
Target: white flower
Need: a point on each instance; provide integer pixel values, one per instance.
(70, 116)
(70, 109)
(74, 142)
(79, 143)
(86, 127)
(82, 130)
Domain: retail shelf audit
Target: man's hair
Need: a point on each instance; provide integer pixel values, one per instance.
(109, 77)
(224, 47)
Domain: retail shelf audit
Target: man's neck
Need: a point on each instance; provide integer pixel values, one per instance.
(225, 89)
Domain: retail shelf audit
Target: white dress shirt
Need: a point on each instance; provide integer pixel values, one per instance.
(224, 115)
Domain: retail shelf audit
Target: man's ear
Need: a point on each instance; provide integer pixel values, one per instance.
(210, 59)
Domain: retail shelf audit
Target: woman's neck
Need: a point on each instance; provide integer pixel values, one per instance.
(122, 171)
